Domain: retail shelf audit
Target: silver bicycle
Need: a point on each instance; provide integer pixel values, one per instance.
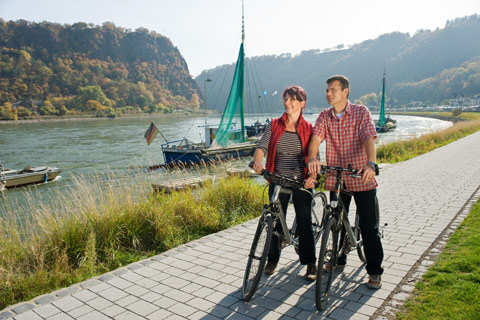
(271, 215)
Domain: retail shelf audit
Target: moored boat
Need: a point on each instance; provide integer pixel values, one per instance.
(229, 139)
(11, 178)
(384, 124)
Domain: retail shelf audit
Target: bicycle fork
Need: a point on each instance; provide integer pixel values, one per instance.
(350, 239)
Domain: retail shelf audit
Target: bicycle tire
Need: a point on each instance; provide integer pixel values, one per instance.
(258, 255)
(360, 249)
(328, 253)
(319, 205)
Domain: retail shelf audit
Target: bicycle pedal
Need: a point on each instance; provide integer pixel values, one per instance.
(382, 229)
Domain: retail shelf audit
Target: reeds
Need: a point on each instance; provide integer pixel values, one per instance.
(108, 222)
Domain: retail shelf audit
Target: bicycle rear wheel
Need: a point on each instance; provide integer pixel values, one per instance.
(257, 257)
(318, 213)
(356, 230)
(319, 204)
(328, 255)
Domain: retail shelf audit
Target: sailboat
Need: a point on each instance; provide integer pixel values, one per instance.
(384, 124)
(229, 139)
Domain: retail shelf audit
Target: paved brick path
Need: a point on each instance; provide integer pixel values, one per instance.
(201, 280)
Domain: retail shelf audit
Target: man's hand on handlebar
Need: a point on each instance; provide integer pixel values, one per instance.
(314, 167)
(367, 172)
(314, 170)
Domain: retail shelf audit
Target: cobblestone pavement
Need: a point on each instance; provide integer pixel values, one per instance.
(419, 199)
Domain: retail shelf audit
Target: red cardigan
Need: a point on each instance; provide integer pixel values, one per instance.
(304, 131)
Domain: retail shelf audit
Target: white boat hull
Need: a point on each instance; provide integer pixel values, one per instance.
(26, 177)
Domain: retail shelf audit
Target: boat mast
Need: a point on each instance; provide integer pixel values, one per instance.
(234, 108)
(242, 107)
(243, 24)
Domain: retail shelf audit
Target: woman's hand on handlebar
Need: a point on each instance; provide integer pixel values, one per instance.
(310, 182)
(257, 166)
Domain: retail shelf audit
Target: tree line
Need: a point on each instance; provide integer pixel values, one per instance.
(52, 69)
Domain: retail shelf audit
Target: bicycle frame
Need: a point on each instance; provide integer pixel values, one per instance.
(276, 208)
(338, 209)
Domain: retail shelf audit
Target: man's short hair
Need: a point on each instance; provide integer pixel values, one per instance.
(343, 81)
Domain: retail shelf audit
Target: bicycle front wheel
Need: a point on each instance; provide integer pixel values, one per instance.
(328, 256)
(257, 257)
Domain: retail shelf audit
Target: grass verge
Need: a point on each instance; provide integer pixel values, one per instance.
(101, 227)
(451, 288)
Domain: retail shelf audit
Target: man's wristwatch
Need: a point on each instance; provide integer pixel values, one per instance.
(375, 166)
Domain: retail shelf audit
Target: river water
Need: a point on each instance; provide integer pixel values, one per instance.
(95, 146)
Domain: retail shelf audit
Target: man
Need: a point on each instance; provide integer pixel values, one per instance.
(350, 135)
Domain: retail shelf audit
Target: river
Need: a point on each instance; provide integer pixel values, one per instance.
(93, 147)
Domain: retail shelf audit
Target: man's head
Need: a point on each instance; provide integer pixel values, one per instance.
(338, 88)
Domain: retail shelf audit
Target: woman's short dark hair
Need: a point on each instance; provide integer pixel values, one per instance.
(296, 92)
(343, 81)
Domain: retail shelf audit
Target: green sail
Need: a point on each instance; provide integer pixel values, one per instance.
(232, 126)
(381, 119)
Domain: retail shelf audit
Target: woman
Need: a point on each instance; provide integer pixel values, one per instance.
(285, 141)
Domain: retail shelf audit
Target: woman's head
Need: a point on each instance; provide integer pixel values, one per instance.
(294, 100)
(295, 92)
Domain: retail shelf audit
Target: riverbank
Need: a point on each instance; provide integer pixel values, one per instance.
(93, 118)
(406, 149)
(441, 115)
(101, 228)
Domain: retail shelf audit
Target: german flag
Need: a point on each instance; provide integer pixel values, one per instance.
(151, 133)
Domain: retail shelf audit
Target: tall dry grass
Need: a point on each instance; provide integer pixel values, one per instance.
(106, 223)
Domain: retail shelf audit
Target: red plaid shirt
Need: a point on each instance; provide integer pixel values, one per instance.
(345, 139)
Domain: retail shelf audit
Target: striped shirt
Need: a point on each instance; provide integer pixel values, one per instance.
(289, 158)
(345, 139)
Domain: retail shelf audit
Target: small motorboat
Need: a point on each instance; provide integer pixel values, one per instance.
(11, 178)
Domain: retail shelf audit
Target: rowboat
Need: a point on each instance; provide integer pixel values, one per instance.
(11, 178)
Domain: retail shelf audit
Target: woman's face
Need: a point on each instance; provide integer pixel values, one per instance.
(292, 105)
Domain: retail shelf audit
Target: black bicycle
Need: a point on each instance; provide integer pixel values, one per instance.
(331, 246)
(271, 215)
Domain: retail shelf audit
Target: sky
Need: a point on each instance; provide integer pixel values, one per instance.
(208, 32)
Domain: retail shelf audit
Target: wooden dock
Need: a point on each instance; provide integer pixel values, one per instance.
(181, 184)
(195, 182)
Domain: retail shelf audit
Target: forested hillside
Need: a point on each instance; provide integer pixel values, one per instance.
(52, 69)
(429, 66)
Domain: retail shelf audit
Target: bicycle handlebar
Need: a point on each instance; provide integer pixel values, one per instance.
(280, 179)
(352, 172)
(287, 181)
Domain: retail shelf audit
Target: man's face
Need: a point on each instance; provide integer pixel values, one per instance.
(335, 94)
